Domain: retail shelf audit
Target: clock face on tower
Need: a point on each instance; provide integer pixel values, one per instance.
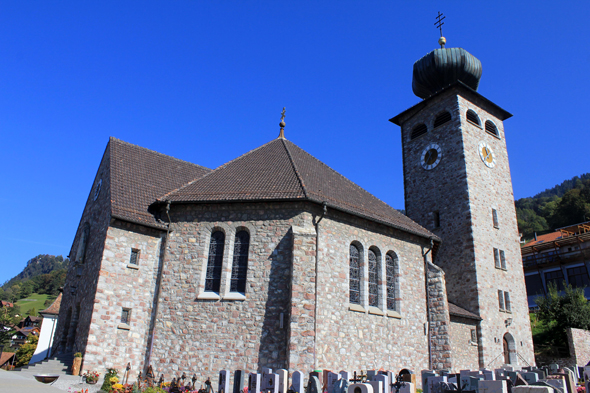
(431, 156)
(486, 154)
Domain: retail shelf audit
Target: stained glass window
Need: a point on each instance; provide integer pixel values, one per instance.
(239, 268)
(374, 270)
(390, 272)
(213, 277)
(355, 275)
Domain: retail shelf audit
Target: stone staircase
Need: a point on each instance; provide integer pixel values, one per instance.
(59, 364)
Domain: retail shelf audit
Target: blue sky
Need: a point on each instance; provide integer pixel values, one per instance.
(205, 81)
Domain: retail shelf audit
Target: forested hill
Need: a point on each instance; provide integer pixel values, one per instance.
(43, 274)
(565, 204)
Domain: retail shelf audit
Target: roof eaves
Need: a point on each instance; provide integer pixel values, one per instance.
(131, 220)
(504, 114)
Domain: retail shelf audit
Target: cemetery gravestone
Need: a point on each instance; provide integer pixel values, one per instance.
(491, 386)
(332, 379)
(238, 381)
(532, 389)
(340, 386)
(569, 382)
(254, 382)
(530, 377)
(425, 375)
(409, 378)
(264, 379)
(360, 388)
(223, 382)
(297, 382)
(377, 386)
(407, 387)
(283, 380)
(557, 381)
(314, 385)
(434, 384)
(544, 383)
(384, 382)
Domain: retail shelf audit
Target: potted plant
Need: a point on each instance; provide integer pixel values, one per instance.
(91, 377)
(77, 363)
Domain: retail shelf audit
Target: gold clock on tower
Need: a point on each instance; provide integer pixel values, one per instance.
(486, 154)
(431, 156)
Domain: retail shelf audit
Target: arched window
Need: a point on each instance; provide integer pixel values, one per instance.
(81, 253)
(442, 118)
(239, 268)
(419, 130)
(355, 275)
(213, 277)
(391, 272)
(374, 273)
(491, 128)
(472, 117)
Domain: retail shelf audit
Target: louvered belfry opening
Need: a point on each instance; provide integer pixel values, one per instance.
(419, 130)
(472, 117)
(491, 128)
(442, 118)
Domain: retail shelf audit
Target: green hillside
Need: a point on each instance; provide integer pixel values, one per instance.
(565, 204)
(34, 302)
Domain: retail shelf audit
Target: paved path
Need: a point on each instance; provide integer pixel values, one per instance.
(22, 382)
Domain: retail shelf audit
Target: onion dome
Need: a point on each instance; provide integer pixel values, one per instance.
(443, 67)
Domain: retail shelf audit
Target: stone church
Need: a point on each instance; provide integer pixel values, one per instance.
(276, 260)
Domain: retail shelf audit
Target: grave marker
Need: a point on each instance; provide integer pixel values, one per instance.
(360, 388)
(434, 384)
(254, 382)
(238, 381)
(491, 386)
(297, 382)
(331, 378)
(283, 380)
(314, 385)
(223, 382)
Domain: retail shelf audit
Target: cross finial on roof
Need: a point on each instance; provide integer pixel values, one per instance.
(282, 124)
(439, 22)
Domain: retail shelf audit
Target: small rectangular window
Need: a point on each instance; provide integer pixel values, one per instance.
(126, 316)
(134, 260)
(501, 299)
(436, 217)
(503, 259)
(495, 218)
(507, 301)
(497, 258)
(473, 336)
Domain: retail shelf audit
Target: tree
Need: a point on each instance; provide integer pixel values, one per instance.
(32, 312)
(8, 320)
(26, 351)
(559, 311)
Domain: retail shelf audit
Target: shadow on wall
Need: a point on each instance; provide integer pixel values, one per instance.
(272, 352)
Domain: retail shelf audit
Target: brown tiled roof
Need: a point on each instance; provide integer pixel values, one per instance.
(280, 170)
(139, 175)
(6, 356)
(461, 312)
(6, 304)
(548, 237)
(54, 307)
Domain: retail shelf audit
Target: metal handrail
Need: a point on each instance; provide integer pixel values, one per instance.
(521, 358)
(501, 354)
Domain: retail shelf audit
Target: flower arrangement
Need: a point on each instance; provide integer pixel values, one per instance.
(91, 376)
(110, 379)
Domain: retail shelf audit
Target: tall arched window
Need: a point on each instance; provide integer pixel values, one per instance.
(213, 277)
(355, 275)
(239, 268)
(391, 271)
(81, 253)
(374, 273)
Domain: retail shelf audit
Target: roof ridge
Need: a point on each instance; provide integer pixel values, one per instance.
(344, 177)
(112, 138)
(297, 174)
(162, 198)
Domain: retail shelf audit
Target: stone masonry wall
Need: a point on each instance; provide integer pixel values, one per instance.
(442, 357)
(491, 188)
(226, 330)
(112, 343)
(302, 337)
(354, 337)
(579, 342)
(80, 286)
(465, 350)
(464, 191)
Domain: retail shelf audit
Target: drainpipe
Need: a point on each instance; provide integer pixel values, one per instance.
(425, 255)
(317, 257)
(157, 294)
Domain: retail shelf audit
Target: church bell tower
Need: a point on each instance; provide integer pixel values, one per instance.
(457, 184)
